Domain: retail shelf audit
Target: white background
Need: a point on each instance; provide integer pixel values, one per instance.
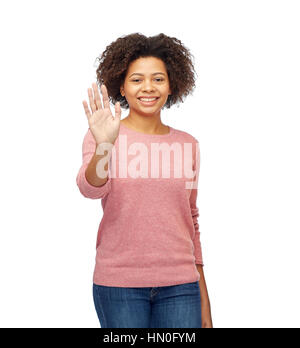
(244, 112)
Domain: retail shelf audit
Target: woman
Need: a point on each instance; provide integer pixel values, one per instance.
(149, 267)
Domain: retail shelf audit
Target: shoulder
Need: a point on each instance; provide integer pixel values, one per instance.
(185, 136)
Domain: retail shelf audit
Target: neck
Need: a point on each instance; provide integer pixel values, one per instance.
(145, 124)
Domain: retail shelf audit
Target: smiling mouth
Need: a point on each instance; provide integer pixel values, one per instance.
(145, 102)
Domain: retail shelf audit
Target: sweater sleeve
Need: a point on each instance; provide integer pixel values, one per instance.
(194, 208)
(86, 189)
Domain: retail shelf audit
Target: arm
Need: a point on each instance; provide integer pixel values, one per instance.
(91, 173)
(205, 303)
(89, 183)
(193, 205)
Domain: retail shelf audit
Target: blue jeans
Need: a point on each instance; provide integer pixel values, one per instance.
(175, 306)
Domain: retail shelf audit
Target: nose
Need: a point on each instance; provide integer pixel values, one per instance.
(147, 86)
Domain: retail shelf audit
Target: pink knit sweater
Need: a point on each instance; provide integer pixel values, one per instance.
(149, 234)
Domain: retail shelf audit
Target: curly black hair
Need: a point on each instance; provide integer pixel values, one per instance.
(115, 60)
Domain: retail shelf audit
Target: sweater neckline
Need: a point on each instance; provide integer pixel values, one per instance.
(130, 130)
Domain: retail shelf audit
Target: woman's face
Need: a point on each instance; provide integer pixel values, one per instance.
(146, 77)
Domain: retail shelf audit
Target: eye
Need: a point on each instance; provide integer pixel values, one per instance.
(160, 79)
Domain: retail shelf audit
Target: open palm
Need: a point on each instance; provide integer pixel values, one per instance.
(103, 125)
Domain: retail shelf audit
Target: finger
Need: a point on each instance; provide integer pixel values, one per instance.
(86, 109)
(105, 96)
(118, 110)
(97, 96)
(91, 99)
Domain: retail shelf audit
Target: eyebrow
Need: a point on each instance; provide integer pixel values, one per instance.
(156, 73)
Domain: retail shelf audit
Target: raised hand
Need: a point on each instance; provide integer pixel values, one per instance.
(103, 125)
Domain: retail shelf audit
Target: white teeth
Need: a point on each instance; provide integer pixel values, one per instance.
(147, 99)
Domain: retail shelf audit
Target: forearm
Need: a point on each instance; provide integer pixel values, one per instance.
(203, 289)
(205, 304)
(91, 171)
